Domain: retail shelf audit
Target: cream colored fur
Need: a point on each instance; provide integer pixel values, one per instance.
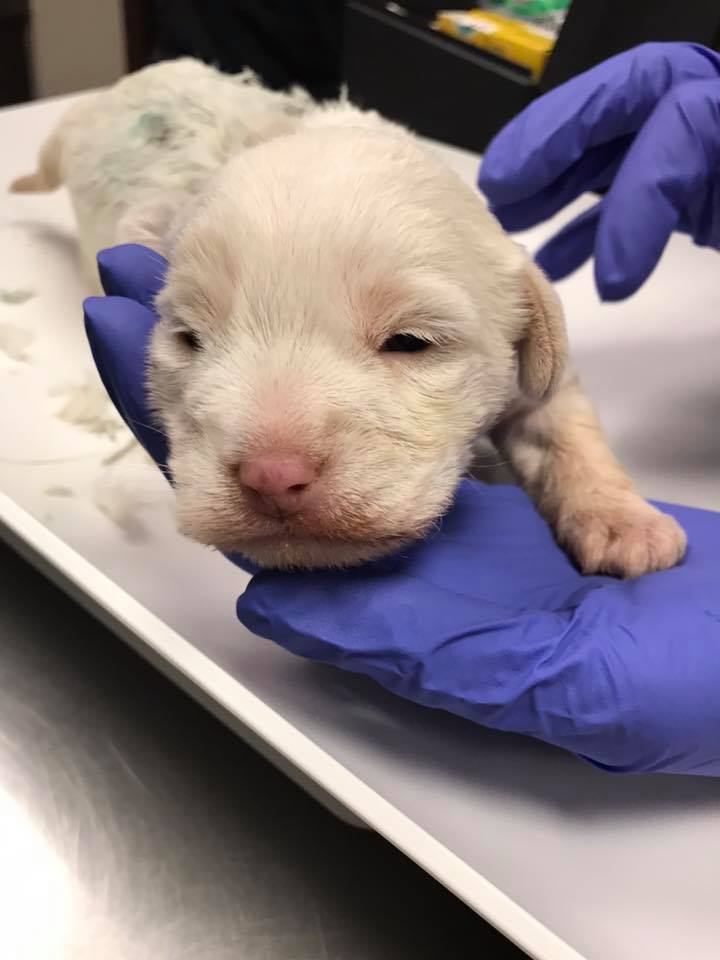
(300, 238)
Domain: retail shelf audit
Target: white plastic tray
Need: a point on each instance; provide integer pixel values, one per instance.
(566, 861)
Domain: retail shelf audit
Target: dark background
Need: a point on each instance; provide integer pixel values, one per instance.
(385, 52)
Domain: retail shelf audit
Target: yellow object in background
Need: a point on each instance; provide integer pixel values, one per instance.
(519, 43)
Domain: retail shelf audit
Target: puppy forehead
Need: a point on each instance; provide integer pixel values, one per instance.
(311, 228)
(343, 192)
(341, 293)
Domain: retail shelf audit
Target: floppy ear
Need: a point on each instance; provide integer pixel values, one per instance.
(542, 351)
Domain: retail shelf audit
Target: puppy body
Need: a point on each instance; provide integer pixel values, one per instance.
(133, 156)
(342, 311)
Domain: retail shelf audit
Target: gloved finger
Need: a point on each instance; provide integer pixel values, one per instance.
(609, 101)
(667, 171)
(572, 246)
(133, 271)
(119, 331)
(594, 171)
(416, 642)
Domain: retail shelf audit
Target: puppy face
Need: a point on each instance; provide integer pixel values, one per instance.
(342, 318)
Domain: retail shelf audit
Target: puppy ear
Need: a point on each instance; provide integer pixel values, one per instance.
(542, 351)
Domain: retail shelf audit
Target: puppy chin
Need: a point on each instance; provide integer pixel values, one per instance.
(317, 553)
(274, 547)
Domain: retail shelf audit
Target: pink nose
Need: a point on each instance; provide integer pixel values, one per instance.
(277, 482)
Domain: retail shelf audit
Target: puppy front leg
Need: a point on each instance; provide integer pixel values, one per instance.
(559, 453)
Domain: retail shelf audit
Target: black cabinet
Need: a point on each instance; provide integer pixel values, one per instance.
(442, 88)
(15, 84)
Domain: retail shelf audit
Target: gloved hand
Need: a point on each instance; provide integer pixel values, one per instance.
(645, 125)
(487, 619)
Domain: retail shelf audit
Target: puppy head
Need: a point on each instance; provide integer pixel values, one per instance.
(342, 318)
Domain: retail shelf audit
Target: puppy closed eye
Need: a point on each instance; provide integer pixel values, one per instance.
(405, 343)
(188, 339)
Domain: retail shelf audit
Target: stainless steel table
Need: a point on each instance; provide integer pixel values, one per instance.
(134, 826)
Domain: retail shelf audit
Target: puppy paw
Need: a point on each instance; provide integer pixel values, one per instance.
(621, 535)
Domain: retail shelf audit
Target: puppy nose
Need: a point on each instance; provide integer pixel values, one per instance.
(277, 482)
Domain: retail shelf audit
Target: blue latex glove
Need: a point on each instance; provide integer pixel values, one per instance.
(645, 125)
(488, 619)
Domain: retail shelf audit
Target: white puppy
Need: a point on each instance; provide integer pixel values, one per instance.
(342, 319)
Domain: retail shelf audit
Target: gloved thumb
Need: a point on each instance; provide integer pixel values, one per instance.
(119, 331)
(133, 271)
(572, 246)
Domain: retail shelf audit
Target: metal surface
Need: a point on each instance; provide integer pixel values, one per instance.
(133, 826)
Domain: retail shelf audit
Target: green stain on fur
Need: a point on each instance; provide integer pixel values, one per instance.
(151, 127)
